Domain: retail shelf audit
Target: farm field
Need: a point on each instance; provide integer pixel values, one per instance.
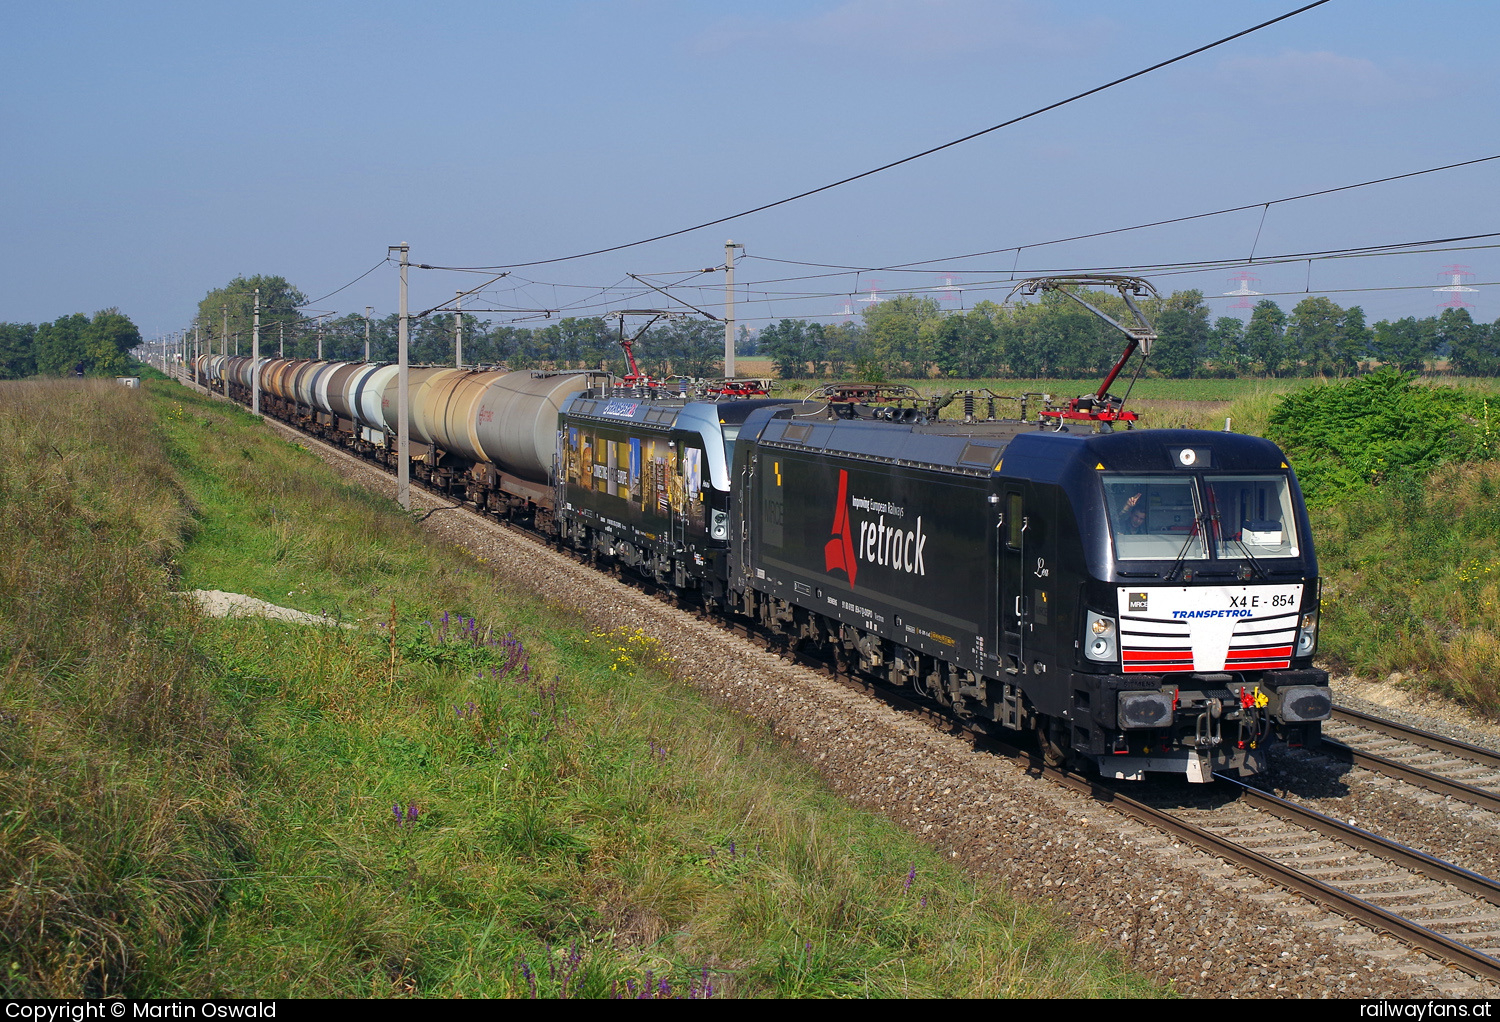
(1161, 403)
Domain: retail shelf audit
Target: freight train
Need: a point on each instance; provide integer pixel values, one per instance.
(1142, 600)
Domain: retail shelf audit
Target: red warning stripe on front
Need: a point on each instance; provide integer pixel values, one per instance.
(1263, 653)
(1160, 655)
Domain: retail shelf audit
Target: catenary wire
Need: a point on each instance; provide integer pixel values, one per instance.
(753, 291)
(356, 280)
(925, 265)
(754, 296)
(915, 156)
(1189, 266)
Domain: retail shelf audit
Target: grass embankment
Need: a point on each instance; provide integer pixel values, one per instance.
(496, 803)
(1413, 582)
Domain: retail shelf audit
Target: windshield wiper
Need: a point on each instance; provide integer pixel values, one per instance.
(1251, 558)
(1199, 514)
(1182, 554)
(1218, 536)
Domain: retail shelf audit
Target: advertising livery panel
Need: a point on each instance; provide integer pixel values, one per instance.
(902, 553)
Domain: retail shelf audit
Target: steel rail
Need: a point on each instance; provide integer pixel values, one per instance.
(1436, 783)
(1471, 960)
(1426, 739)
(1430, 866)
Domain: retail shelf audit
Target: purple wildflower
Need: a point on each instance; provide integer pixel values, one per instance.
(570, 967)
(909, 878)
(411, 813)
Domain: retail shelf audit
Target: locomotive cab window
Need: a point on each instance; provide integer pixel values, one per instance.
(1188, 518)
(1154, 517)
(730, 431)
(1015, 521)
(1252, 514)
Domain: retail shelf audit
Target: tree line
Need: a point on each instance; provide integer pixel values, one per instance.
(903, 337)
(97, 345)
(1056, 338)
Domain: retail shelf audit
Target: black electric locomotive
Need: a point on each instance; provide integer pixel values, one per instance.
(642, 478)
(1146, 600)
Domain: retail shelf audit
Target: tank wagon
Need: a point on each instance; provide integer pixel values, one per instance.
(1143, 600)
(486, 436)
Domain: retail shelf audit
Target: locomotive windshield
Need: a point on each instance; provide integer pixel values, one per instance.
(1193, 518)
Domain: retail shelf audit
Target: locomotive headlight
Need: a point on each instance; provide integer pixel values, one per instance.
(718, 524)
(1099, 634)
(1307, 634)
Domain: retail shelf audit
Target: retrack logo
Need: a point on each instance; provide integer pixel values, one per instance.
(838, 552)
(877, 543)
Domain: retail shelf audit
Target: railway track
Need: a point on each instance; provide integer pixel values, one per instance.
(1419, 899)
(1448, 914)
(1441, 765)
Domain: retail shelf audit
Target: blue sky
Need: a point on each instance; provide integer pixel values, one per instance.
(154, 151)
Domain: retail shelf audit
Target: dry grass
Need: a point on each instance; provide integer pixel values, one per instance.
(107, 740)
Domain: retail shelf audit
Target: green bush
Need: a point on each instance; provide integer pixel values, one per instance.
(1344, 437)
